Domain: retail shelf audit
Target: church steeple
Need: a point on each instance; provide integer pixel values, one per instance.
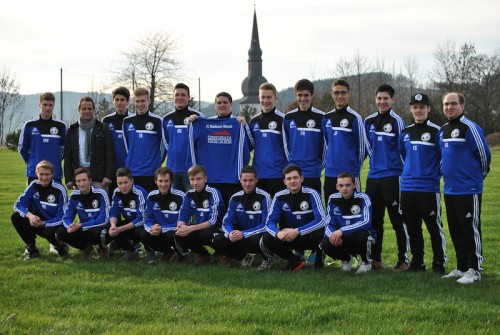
(250, 85)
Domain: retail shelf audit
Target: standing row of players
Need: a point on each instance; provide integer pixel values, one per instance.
(339, 141)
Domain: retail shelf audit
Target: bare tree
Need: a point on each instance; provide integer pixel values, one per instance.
(152, 64)
(11, 103)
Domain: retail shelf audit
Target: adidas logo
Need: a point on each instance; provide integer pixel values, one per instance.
(469, 215)
(395, 203)
(432, 213)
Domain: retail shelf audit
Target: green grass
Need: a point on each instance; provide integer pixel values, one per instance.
(53, 296)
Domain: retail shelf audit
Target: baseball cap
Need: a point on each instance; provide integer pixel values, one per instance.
(420, 98)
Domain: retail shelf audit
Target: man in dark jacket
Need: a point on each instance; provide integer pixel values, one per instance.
(89, 144)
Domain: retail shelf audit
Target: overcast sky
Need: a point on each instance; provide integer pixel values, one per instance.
(299, 39)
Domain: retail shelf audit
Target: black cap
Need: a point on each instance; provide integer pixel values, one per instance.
(420, 98)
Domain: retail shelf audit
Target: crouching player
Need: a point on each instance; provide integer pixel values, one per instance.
(39, 211)
(348, 230)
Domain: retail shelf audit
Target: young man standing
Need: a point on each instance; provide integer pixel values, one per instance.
(89, 144)
(348, 225)
(126, 216)
(175, 126)
(345, 139)
(205, 206)
(243, 224)
(268, 132)
(39, 211)
(420, 194)
(162, 214)
(466, 161)
(43, 138)
(382, 185)
(91, 205)
(144, 141)
(305, 145)
(296, 221)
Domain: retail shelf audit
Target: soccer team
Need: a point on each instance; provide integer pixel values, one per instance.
(209, 196)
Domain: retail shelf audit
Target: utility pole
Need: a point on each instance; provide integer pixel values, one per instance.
(61, 99)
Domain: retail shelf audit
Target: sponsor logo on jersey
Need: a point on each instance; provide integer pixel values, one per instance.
(54, 131)
(310, 123)
(355, 209)
(272, 125)
(51, 198)
(206, 203)
(95, 203)
(172, 206)
(256, 206)
(387, 127)
(132, 204)
(344, 123)
(426, 137)
(220, 137)
(455, 133)
(149, 126)
(304, 205)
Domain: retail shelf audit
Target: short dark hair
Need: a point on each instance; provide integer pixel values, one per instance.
(225, 94)
(196, 169)
(121, 91)
(81, 170)
(124, 172)
(290, 168)
(86, 99)
(162, 171)
(386, 88)
(304, 84)
(341, 82)
(347, 175)
(47, 96)
(249, 169)
(183, 86)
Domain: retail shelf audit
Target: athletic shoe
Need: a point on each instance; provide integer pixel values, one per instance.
(377, 265)
(53, 249)
(150, 256)
(203, 259)
(400, 267)
(225, 261)
(469, 277)
(63, 250)
(294, 265)
(438, 268)
(167, 256)
(454, 274)
(247, 261)
(87, 252)
(319, 263)
(266, 265)
(416, 267)
(129, 256)
(347, 265)
(364, 267)
(103, 253)
(33, 252)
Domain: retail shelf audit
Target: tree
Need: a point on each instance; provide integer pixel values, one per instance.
(248, 112)
(12, 140)
(152, 64)
(11, 103)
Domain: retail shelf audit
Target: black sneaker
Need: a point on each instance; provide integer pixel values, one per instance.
(438, 268)
(294, 265)
(319, 262)
(62, 250)
(33, 252)
(414, 267)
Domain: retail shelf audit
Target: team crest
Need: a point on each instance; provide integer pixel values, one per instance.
(132, 204)
(206, 203)
(51, 198)
(256, 206)
(304, 205)
(310, 123)
(54, 131)
(355, 210)
(418, 97)
(149, 126)
(172, 206)
(272, 125)
(455, 133)
(387, 127)
(426, 137)
(95, 203)
(344, 123)
(186, 120)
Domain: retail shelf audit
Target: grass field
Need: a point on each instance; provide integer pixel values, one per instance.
(53, 296)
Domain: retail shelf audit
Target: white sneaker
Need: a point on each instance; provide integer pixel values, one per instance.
(247, 261)
(364, 267)
(454, 274)
(53, 250)
(469, 277)
(347, 265)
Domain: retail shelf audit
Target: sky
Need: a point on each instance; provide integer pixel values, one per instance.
(299, 39)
